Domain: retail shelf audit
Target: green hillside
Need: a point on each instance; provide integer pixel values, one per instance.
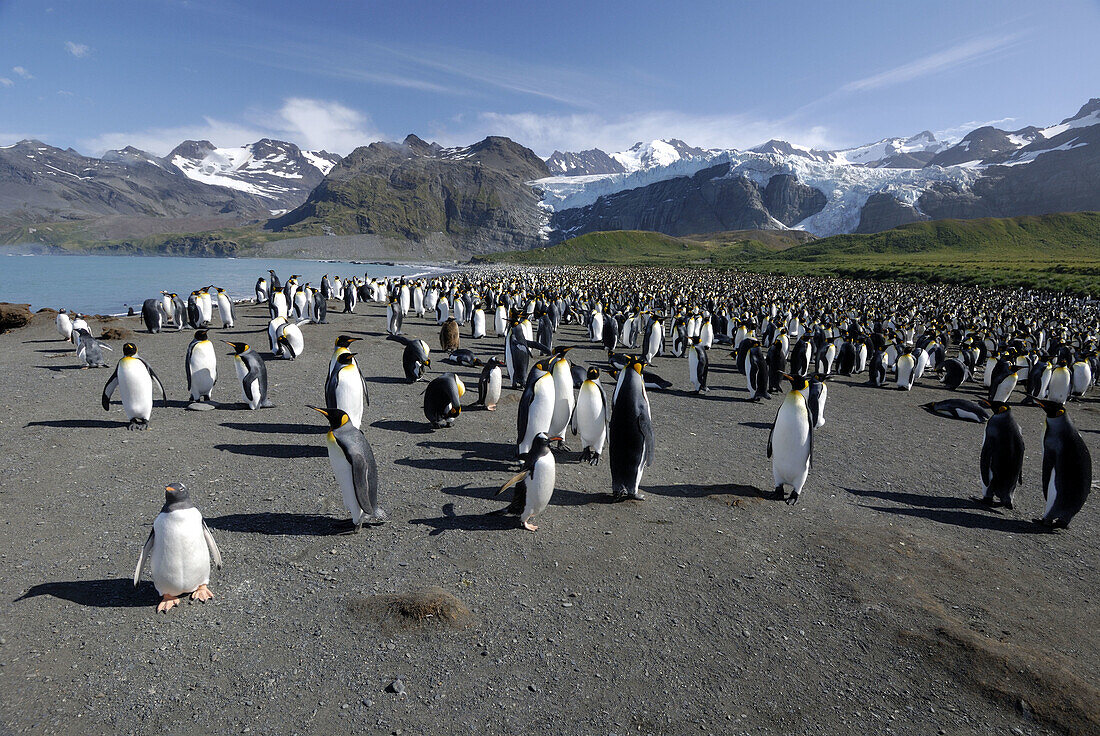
(642, 248)
(1060, 252)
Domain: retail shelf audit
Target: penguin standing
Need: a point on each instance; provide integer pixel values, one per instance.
(448, 335)
(563, 396)
(201, 366)
(876, 371)
(955, 373)
(815, 399)
(489, 383)
(178, 551)
(152, 315)
(906, 370)
(291, 341)
(134, 379)
(535, 482)
(341, 345)
(1002, 456)
(225, 309)
(262, 292)
(756, 374)
(356, 471)
(698, 365)
(1060, 384)
(346, 389)
(64, 325)
(590, 417)
(1001, 386)
(477, 328)
(442, 400)
(791, 441)
(536, 407)
(630, 433)
(252, 373)
(415, 360)
(394, 317)
(1067, 467)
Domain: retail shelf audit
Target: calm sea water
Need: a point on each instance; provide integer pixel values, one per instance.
(110, 284)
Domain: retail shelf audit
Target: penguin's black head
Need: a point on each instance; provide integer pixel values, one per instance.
(1052, 408)
(797, 382)
(175, 493)
(593, 374)
(336, 417)
(239, 348)
(201, 335)
(344, 341)
(345, 358)
(129, 350)
(561, 350)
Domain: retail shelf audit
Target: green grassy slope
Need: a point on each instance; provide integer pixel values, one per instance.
(1059, 252)
(636, 247)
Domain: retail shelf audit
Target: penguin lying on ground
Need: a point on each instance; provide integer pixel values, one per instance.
(962, 409)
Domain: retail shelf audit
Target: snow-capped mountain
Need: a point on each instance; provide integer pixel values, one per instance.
(989, 173)
(274, 170)
(638, 157)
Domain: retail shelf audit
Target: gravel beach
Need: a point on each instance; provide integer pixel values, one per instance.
(885, 602)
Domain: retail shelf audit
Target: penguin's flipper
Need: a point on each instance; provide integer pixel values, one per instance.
(187, 364)
(330, 387)
(1048, 468)
(541, 347)
(155, 377)
(366, 394)
(146, 551)
(645, 425)
(986, 463)
(109, 389)
(214, 551)
(512, 481)
(364, 474)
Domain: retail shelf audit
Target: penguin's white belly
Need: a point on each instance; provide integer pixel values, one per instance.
(539, 415)
(479, 323)
(135, 389)
(791, 445)
(987, 376)
(242, 371)
(180, 561)
(693, 370)
(492, 393)
(597, 327)
(1052, 493)
(64, 326)
(293, 335)
(905, 373)
(349, 395)
(204, 370)
(1058, 390)
(563, 403)
(540, 486)
(590, 419)
(1004, 388)
(1082, 378)
(341, 468)
(499, 319)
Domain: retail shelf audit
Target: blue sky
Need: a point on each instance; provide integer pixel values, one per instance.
(567, 75)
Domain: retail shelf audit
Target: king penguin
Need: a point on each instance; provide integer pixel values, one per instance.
(791, 441)
(201, 367)
(442, 400)
(353, 464)
(489, 383)
(630, 432)
(1002, 456)
(346, 389)
(134, 379)
(178, 551)
(590, 417)
(536, 406)
(1067, 467)
(252, 373)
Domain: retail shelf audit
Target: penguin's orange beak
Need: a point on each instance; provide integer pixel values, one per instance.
(319, 410)
(555, 439)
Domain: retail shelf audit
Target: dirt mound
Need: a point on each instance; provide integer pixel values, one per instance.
(429, 607)
(14, 316)
(117, 333)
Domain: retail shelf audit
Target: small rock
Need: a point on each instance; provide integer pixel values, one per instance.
(396, 687)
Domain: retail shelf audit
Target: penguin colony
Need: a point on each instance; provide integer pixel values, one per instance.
(1035, 350)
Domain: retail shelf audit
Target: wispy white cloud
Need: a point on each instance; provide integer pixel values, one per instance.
(958, 55)
(956, 132)
(312, 124)
(5, 82)
(22, 71)
(79, 50)
(545, 133)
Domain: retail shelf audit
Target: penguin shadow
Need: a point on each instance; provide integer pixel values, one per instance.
(106, 593)
(450, 521)
(694, 490)
(59, 368)
(280, 524)
(471, 462)
(39, 342)
(275, 428)
(387, 379)
(55, 350)
(403, 425)
(961, 512)
(756, 425)
(561, 497)
(274, 450)
(77, 424)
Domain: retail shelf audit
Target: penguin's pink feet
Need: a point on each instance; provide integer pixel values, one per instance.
(167, 603)
(202, 593)
(491, 408)
(529, 526)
